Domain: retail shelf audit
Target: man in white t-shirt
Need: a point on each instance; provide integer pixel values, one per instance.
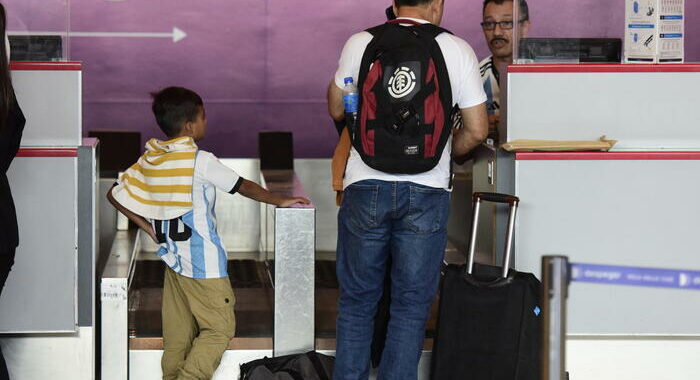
(401, 217)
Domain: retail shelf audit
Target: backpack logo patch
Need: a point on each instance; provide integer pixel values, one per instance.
(411, 150)
(402, 82)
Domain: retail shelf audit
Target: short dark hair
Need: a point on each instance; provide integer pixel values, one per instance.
(173, 107)
(524, 10)
(411, 3)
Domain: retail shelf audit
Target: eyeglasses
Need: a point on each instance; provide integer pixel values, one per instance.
(491, 25)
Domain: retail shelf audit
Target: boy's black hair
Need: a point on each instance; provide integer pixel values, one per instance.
(412, 3)
(524, 9)
(173, 107)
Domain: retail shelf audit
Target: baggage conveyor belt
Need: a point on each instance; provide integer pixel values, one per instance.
(254, 293)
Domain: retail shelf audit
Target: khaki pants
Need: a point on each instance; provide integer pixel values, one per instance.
(198, 323)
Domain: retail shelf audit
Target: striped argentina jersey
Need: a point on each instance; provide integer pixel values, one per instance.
(490, 80)
(190, 244)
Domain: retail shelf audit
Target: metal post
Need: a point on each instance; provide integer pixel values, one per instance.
(509, 238)
(555, 283)
(472, 239)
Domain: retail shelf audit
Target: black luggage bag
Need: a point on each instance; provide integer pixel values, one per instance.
(307, 366)
(489, 317)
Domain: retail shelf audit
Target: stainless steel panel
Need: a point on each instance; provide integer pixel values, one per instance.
(294, 281)
(41, 291)
(485, 168)
(459, 222)
(107, 220)
(87, 232)
(114, 287)
(294, 255)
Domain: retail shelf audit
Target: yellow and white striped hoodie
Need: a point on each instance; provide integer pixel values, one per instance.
(159, 185)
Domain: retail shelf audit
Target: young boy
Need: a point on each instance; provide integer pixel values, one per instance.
(171, 193)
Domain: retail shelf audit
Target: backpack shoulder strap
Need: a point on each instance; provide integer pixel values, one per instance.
(370, 53)
(376, 31)
(430, 30)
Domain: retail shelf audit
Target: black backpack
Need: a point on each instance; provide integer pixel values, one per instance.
(307, 366)
(405, 113)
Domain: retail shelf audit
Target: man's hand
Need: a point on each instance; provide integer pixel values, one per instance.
(286, 202)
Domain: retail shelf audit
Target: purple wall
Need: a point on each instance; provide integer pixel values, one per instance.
(261, 65)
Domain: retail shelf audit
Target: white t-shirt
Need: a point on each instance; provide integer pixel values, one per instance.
(192, 245)
(467, 91)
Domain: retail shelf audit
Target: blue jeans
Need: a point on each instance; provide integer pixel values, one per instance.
(378, 220)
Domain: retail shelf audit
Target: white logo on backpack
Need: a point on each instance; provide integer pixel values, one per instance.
(402, 82)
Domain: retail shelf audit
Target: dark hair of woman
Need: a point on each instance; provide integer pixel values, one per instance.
(6, 91)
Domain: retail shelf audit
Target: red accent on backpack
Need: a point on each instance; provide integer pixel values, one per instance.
(434, 113)
(369, 110)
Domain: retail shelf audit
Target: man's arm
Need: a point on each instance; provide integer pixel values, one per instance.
(256, 192)
(474, 130)
(140, 221)
(335, 102)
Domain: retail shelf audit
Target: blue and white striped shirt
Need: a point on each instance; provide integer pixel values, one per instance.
(190, 244)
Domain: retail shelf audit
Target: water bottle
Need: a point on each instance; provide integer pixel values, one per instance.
(351, 99)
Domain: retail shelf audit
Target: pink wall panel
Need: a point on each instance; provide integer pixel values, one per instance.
(260, 64)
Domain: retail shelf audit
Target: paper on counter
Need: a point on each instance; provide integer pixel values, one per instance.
(601, 144)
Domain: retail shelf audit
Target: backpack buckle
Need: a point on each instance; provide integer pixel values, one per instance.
(402, 116)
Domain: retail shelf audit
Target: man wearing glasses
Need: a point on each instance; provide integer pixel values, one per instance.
(498, 29)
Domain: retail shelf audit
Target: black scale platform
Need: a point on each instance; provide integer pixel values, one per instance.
(254, 299)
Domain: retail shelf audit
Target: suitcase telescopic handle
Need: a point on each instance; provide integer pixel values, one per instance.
(512, 201)
(495, 198)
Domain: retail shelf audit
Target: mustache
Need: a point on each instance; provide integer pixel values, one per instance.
(498, 39)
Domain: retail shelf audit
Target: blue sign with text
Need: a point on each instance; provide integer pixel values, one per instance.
(635, 276)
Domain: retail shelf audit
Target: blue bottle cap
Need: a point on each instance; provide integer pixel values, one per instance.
(347, 80)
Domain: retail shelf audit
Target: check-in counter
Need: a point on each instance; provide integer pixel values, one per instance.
(48, 304)
(633, 206)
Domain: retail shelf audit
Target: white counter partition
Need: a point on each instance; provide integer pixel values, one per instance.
(50, 95)
(634, 206)
(627, 208)
(644, 107)
(48, 304)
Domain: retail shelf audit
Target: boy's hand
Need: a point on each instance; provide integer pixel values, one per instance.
(149, 230)
(286, 202)
(137, 219)
(253, 191)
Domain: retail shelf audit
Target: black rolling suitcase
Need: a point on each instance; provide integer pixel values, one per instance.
(489, 318)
